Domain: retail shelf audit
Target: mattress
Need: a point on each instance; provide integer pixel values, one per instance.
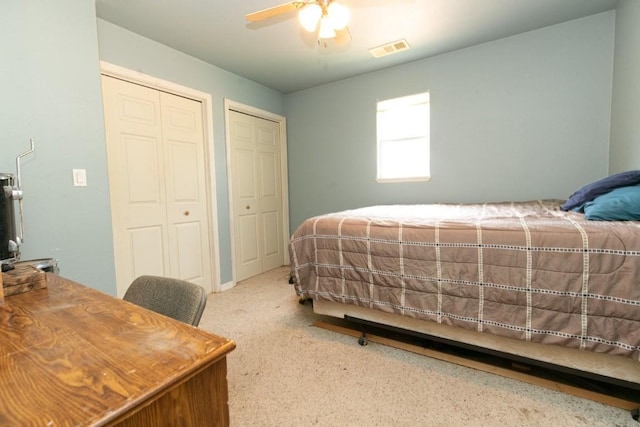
(523, 270)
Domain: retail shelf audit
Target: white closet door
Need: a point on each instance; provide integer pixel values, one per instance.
(185, 182)
(256, 183)
(155, 150)
(270, 192)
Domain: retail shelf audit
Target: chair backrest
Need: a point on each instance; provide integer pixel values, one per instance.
(175, 298)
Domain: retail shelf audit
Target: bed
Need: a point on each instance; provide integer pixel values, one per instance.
(523, 278)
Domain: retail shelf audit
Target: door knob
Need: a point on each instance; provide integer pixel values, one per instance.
(186, 213)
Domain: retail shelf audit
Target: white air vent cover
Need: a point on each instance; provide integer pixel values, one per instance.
(389, 48)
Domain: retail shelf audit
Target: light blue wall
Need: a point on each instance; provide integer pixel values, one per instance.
(520, 118)
(625, 116)
(51, 93)
(126, 49)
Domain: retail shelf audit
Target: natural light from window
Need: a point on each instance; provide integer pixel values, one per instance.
(403, 126)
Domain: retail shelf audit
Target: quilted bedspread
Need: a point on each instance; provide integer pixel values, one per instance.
(524, 270)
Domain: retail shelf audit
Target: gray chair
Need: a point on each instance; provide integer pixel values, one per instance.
(175, 298)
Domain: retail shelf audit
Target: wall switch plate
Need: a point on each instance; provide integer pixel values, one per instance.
(79, 177)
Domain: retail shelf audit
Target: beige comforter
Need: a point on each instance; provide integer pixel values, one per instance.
(523, 270)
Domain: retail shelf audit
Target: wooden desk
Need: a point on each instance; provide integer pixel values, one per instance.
(73, 356)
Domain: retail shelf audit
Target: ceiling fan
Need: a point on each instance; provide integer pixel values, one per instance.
(328, 17)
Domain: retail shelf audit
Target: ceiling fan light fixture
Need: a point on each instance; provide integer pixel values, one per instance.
(339, 15)
(309, 16)
(326, 29)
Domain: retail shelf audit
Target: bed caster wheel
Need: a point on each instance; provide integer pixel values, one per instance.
(363, 341)
(303, 300)
(635, 414)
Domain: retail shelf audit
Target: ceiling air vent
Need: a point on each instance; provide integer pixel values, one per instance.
(389, 48)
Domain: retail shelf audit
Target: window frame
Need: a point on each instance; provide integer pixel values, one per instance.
(422, 132)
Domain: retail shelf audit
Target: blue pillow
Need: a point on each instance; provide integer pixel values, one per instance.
(591, 191)
(621, 204)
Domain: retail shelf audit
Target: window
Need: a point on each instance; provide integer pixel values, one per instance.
(403, 138)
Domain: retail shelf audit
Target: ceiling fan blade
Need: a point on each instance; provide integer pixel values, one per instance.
(275, 10)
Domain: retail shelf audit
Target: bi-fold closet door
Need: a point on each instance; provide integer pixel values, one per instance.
(256, 193)
(157, 181)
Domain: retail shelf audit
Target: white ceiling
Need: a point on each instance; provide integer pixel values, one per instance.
(280, 55)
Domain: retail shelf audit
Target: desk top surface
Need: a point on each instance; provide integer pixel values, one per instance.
(71, 355)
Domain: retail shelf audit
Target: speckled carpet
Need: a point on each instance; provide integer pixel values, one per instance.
(286, 372)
